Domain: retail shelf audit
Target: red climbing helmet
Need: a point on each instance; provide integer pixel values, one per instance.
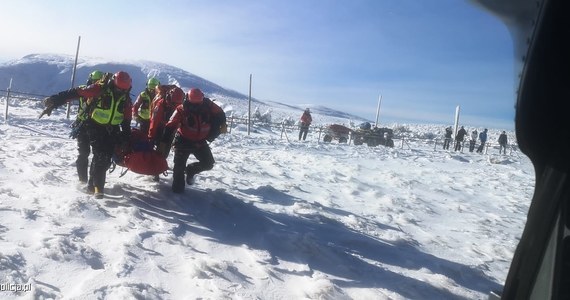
(122, 80)
(195, 96)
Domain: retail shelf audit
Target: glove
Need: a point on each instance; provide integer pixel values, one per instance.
(49, 104)
(214, 133)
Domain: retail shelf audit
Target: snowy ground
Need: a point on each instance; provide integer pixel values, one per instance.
(274, 219)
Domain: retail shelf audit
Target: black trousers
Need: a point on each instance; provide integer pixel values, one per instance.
(503, 147)
(182, 150)
(102, 139)
(83, 149)
(303, 132)
(446, 143)
(481, 147)
(458, 145)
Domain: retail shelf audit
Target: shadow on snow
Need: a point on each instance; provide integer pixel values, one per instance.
(326, 245)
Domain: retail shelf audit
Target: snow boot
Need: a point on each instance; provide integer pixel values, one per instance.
(98, 193)
(190, 179)
(190, 173)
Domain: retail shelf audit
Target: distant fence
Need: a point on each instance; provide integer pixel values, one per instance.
(10, 94)
(286, 129)
(17, 95)
(318, 131)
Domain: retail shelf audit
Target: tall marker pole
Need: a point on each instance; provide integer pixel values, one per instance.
(73, 73)
(378, 110)
(457, 111)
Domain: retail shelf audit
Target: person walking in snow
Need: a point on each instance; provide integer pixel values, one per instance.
(141, 107)
(168, 98)
(79, 131)
(306, 121)
(107, 124)
(447, 140)
(474, 135)
(503, 141)
(197, 121)
(483, 139)
(459, 138)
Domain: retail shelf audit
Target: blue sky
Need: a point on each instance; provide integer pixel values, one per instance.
(424, 58)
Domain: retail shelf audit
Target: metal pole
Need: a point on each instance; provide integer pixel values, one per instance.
(7, 100)
(378, 109)
(73, 73)
(249, 107)
(457, 110)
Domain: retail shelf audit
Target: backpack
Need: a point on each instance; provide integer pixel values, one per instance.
(164, 92)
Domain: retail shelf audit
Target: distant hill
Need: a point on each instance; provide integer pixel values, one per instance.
(45, 74)
(49, 73)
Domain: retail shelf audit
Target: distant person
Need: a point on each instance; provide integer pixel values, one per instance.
(196, 122)
(474, 135)
(483, 139)
(503, 141)
(447, 140)
(306, 121)
(141, 108)
(459, 138)
(108, 123)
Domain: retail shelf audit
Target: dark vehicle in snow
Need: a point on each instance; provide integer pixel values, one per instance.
(365, 134)
(373, 136)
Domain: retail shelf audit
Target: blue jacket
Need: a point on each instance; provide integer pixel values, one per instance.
(483, 136)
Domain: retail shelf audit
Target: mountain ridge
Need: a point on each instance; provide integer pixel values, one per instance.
(49, 73)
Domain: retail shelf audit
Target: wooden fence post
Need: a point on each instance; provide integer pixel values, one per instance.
(231, 123)
(285, 133)
(7, 101)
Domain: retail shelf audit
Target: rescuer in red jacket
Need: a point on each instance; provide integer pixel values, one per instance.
(197, 121)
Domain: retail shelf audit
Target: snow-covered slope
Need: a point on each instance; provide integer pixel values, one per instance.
(274, 219)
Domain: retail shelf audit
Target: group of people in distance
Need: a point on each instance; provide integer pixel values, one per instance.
(460, 137)
(167, 115)
(306, 120)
